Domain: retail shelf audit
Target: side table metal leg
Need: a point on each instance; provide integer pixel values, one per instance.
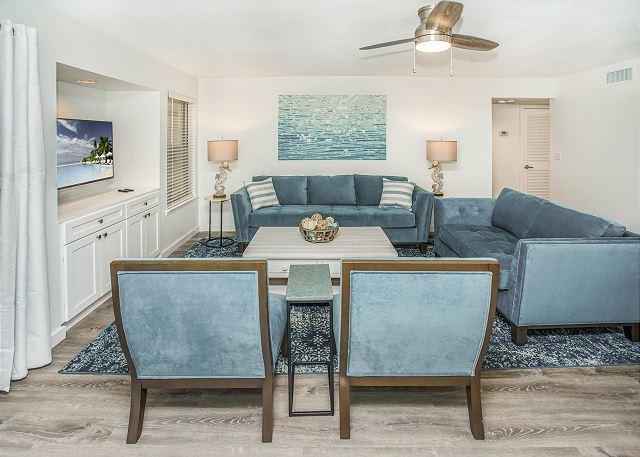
(332, 345)
(290, 368)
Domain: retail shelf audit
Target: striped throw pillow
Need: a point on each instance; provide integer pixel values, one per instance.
(262, 193)
(397, 193)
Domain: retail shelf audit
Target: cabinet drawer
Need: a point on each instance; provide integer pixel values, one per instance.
(280, 268)
(82, 226)
(142, 204)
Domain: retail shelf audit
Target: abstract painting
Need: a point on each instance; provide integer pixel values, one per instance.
(332, 127)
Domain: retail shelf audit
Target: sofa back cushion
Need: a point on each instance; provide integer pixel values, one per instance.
(331, 190)
(291, 190)
(555, 221)
(369, 188)
(516, 212)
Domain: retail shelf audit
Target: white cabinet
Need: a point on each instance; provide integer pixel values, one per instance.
(143, 234)
(90, 242)
(81, 269)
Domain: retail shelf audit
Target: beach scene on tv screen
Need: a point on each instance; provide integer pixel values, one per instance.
(85, 151)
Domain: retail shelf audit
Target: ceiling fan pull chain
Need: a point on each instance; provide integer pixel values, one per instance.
(414, 58)
(451, 61)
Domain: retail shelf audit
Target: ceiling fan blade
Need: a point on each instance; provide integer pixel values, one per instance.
(444, 16)
(388, 43)
(472, 42)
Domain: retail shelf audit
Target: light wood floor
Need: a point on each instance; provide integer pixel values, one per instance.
(548, 412)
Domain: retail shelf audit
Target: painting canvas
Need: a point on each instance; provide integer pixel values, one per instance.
(332, 127)
(85, 151)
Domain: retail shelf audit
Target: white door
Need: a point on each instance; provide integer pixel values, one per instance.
(152, 228)
(82, 273)
(136, 234)
(112, 248)
(535, 151)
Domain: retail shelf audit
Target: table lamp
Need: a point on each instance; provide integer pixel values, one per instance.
(222, 151)
(440, 151)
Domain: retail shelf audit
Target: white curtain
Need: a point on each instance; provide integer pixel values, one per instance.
(25, 338)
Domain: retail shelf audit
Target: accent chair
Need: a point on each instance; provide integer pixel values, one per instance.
(415, 322)
(197, 324)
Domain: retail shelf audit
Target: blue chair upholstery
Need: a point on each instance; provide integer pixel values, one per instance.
(193, 322)
(415, 321)
(559, 267)
(350, 199)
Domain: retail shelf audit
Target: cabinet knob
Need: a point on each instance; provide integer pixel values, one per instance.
(105, 235)
(285, 268)
(99, 236)
(100, 221)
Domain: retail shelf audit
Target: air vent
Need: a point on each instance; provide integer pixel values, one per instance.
(619, 76)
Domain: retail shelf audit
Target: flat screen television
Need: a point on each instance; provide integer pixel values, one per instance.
(85, 151)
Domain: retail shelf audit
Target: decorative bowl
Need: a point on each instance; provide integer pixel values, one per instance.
(323, 233)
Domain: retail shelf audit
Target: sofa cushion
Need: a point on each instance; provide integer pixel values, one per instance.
(398, 194)
(291, 190)
(262, 194)
(516, 212)
(369, 188)
(555, 221)
(346, 216)
(331, 190)
(481, 241)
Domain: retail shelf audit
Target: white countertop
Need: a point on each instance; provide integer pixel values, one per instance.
(82, 206)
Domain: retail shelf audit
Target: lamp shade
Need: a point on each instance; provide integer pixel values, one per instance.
(442, 150)
(222, 150)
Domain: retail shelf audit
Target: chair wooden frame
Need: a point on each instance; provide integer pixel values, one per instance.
(139, 386)
(472, 383)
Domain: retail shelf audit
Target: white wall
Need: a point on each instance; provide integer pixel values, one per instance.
(78, 102)
(417, 109)
(64, 40)
(595, 131)
(505, 148)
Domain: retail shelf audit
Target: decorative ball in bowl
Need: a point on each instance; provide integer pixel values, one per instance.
(315, 229)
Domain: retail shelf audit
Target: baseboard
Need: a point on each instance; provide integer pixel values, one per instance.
(58, 335)
(179, 242)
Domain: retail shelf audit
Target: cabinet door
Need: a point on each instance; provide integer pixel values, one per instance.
(82, 273)
(135, 236)
(152, 228)
(112, 247)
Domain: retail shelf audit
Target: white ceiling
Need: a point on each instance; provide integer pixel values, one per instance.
(538, 38)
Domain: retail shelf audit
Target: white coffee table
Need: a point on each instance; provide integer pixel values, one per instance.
(285, 246)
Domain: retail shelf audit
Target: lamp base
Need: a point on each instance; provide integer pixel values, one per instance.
(438, 194)
(219, 195)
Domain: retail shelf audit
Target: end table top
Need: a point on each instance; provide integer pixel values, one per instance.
(309, 283)
(212, 199)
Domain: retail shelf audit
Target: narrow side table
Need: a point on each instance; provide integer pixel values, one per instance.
(220, 241)
(310, 285)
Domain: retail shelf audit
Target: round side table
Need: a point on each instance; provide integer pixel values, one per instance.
(219, 241)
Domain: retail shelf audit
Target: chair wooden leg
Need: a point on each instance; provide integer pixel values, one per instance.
(345, 407)
(632, 331)
(284, 347)
(267, 410)
(136, 412)
(518, 335)
(475, 408)
(423, 248)
(241, 247)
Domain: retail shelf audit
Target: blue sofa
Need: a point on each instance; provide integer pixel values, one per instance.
(352, 200)
(558, 267)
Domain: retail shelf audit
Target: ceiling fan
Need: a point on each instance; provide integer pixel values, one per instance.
(434, 34)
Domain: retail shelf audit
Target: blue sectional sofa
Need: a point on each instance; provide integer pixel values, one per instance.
(558, 267)
(352, 200)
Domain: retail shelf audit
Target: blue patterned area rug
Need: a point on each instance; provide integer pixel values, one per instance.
(583, 347)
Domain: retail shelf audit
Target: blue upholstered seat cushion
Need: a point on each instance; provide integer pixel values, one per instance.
(290, 190)
(516, 212)
(191, 324)
(331, 190)
(369, 188)
(555, 221)
(346, 216)
(277, 323)
(482, 241)
(416, 323)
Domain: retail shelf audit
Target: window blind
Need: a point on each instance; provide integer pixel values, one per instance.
(180, 152)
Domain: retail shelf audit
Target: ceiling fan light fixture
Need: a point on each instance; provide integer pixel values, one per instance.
(433, 43)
